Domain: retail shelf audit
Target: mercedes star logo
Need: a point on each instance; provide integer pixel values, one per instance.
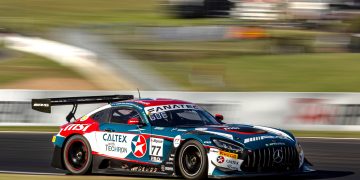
(278, 156)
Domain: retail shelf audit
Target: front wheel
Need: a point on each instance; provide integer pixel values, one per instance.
(193, 161)
(77, 155)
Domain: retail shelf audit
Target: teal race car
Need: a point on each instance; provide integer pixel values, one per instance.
(166, 137)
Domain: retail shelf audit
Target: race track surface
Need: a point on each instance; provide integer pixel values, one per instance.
(333, 158)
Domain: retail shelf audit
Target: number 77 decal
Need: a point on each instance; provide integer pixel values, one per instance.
(156, 147)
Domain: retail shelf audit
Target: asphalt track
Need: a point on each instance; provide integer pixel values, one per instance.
(332, 158)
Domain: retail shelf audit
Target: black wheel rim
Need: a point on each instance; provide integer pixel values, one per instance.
(77, 154)
(191, 160)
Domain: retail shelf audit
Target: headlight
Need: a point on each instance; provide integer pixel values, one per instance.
(301, 154)
(227, 145)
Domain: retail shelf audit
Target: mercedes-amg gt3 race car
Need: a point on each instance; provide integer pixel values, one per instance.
(167, 137)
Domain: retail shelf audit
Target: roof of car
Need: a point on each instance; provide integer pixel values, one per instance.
(158, 102)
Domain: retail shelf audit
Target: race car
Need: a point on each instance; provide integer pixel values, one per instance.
(167, 137)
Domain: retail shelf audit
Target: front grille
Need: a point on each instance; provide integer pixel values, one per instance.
(268, 160)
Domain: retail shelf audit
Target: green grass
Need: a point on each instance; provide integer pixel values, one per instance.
(197, 50)
(331, 72)
(17, 66)
(39, 15)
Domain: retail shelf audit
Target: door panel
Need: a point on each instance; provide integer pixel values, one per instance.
(122, 141)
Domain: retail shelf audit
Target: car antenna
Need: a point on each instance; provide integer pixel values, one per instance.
(138, 93)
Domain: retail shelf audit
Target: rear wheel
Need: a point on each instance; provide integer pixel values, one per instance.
(193, 160)
(77, 155)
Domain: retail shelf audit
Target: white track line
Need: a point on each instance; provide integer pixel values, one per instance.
(31, 173)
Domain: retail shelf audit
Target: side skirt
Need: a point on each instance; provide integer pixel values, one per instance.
(105, 165)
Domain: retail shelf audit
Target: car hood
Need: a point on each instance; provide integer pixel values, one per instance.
(249, 136)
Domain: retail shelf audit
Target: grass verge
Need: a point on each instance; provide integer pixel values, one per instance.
(17, 66)
(327, 72)
(40, 15)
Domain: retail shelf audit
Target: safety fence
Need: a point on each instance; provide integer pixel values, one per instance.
(298, 111)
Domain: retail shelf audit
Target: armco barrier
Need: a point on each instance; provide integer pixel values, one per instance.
(298, 111)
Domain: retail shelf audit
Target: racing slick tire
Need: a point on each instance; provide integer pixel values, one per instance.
(77, 155)
(192, 161)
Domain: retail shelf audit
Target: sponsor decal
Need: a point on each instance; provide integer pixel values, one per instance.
(113, 137)
(228, 154)
(177, 141)
(180, 130)
(138, 146)
(159, 128)
(162, 108)
(231, 128)
(169, 168)
(232, 164)
(144, 169)
(124, 166)
(156, 147)
(220, 159)
(259, 138)
(53, 139)
(77, 127)
(172, 155)
(155, 159)
(111, 147)
(171, 159)
(41, 105)
(157, 116)
(162, 167)
(113, 144)
(224, 161)
(169, 163)
(275, 144)
(207, 142)
(136, 130)
(214, 150)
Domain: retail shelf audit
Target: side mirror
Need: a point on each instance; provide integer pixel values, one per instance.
(219, 117)
(134, 121)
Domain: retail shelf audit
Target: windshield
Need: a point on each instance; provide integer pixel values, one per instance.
(182, 117)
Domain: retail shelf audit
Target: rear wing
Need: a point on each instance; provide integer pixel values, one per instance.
(44, 105)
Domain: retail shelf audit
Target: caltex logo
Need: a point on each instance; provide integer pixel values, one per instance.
(138, 146)
(220, 159)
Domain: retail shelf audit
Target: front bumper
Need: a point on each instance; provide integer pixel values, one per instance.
(226, 165)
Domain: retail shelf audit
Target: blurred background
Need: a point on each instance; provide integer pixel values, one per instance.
(293, 64)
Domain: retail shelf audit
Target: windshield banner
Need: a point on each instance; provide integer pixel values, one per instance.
(162, 108)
